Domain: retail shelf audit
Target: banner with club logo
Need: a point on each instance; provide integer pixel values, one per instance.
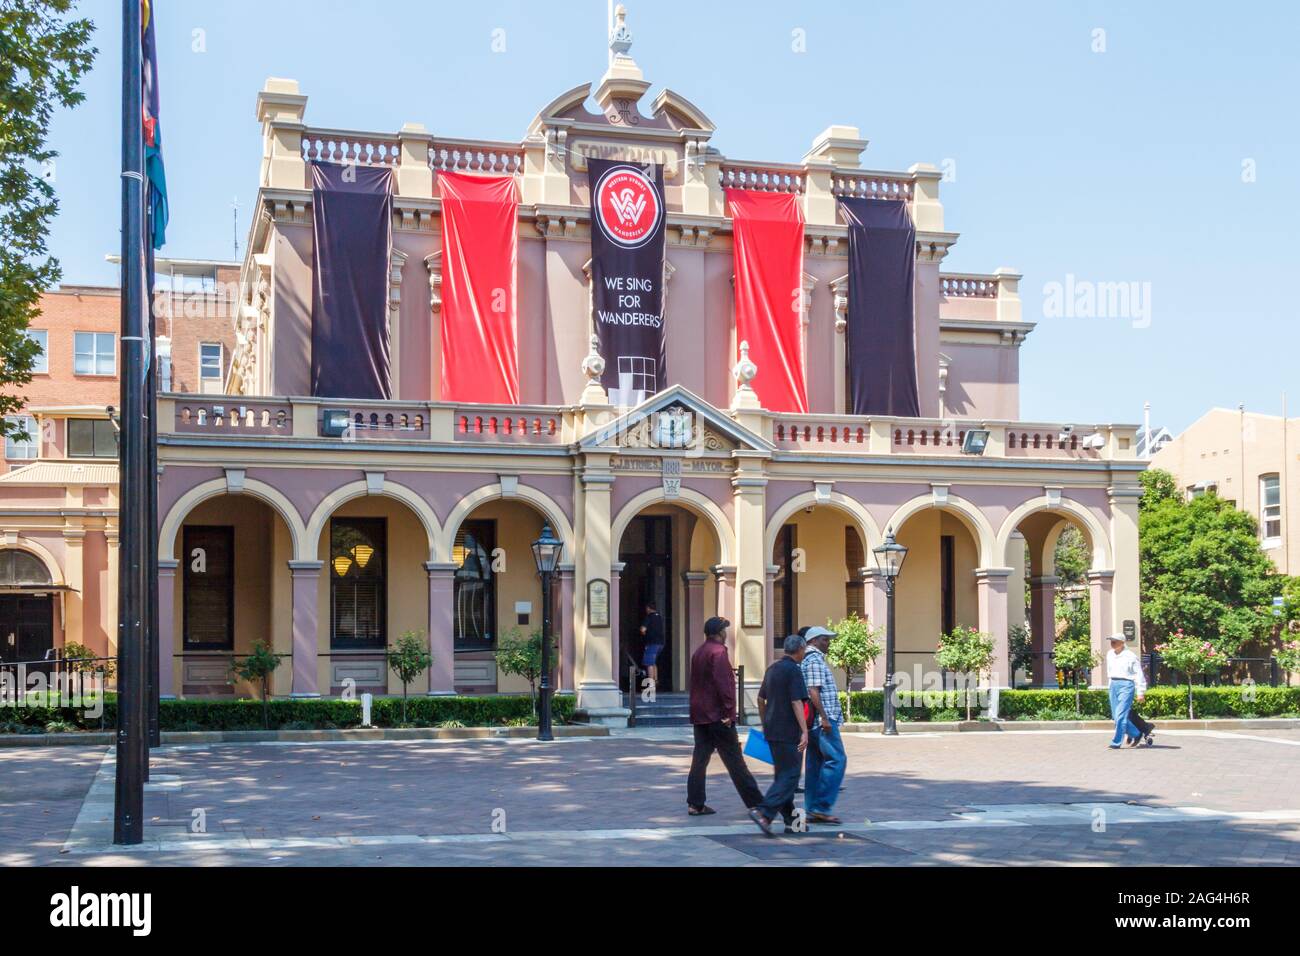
(627, 276)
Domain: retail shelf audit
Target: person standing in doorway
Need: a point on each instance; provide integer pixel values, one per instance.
(652, 636)
(713, 720)
(781, 709)
(826, 761)
(1126, 683)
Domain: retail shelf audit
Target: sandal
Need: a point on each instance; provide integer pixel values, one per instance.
(700, 811)
(823, 818)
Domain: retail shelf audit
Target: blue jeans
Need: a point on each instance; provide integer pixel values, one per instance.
(1121, 702)
(824, 767)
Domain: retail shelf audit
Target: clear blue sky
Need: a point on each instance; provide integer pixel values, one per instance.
(1116, 166)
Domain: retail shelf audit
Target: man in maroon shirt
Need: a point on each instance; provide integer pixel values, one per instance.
(713, 718)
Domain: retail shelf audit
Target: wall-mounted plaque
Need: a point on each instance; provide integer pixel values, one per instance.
(751, 604)
(598, 603)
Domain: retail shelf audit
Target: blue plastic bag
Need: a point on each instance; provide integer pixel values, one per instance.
(756, 746)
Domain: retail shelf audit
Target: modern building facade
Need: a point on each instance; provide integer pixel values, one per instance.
(58, 487)
(418, 516)
(1250, 459)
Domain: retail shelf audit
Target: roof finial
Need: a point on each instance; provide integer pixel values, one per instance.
(620, 37)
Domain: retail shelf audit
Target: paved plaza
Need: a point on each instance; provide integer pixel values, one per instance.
(1200, 797)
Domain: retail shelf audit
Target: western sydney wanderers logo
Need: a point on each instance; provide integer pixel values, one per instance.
(627, 206)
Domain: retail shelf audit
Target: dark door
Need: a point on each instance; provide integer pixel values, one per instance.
(647, 555)
(26, 626)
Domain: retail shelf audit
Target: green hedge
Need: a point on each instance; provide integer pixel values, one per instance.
(222, 714)
(1161, 702)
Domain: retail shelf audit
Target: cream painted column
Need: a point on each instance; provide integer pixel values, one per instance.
(694, 589)
(167, 681)
(306, 585)
(991, 584)
(562, 616)
(1125, 598)
(724, 588)
(598, 690)
(617, 661)
(74, 574)
(1101, 609)
(442, 636)
(1042, 624)
(749, 510)
(109, 594)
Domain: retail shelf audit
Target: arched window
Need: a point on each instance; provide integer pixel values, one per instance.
(21, 568)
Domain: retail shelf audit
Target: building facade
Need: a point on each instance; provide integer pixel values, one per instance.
(1250, 459)
(58, 487)
(418, 517)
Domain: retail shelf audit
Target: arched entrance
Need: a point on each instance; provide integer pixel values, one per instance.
(667, 555)
(26, 607)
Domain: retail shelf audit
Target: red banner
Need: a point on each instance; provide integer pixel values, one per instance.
(480, 361)
(769, 293)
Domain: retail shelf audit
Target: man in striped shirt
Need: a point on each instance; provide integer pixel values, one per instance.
(826, 761)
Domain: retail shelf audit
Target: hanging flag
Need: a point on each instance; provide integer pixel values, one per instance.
(880, 338)
(154, 173)
(627, 276)
(768, 257)
(352, 241)
(480, 240)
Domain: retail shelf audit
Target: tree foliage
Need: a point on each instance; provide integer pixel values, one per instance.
(965, 650)
(1202, 569)
(408, 659)
(43, 56)
(855, 645)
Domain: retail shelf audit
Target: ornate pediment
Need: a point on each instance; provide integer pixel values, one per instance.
(676, 421)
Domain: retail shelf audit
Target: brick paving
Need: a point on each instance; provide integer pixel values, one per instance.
(396, 793)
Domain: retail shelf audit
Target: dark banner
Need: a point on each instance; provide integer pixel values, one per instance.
(627, 276)
(352, 228)
(880, 337)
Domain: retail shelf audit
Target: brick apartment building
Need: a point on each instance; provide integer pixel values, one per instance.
(58, 488)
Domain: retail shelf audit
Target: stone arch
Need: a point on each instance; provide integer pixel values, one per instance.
(975, 521)
(865, 524)
(688, 498)
(40, 553)
(187, 502)
(360, 489)
(1068, 510)
(543, 502)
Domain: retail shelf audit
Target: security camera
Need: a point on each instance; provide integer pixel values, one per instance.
(1066, 432)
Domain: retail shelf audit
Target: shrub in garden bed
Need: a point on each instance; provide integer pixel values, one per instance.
(1161, 703)
(224, 714)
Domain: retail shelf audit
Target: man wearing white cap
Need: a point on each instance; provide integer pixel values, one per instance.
(825, 760)
(1127, 681)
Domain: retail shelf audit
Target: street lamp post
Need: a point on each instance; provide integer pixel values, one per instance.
(546, 552)
(889, 558)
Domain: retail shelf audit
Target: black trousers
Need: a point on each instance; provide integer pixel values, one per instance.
(1142, 724)
(779, 798)
(723, 739)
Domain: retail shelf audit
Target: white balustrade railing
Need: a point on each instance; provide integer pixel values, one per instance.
(763, 177)
(347, 147)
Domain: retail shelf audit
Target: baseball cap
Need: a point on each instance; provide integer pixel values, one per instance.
(813, 633)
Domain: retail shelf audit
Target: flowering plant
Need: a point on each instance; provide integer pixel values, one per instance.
(1192, 656)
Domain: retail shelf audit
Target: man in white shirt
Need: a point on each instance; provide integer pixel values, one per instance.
(1127, 682)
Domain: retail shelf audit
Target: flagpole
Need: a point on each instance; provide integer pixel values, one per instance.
(128, 794)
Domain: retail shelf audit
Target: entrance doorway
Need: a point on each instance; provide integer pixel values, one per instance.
(26, 627)
(647, 555)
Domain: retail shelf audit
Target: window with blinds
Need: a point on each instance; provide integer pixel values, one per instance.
(474, 594)
(358, 589)
(209, 583)
(855, 559)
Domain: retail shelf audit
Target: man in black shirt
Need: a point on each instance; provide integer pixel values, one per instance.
(781, 709)
(652, 635)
